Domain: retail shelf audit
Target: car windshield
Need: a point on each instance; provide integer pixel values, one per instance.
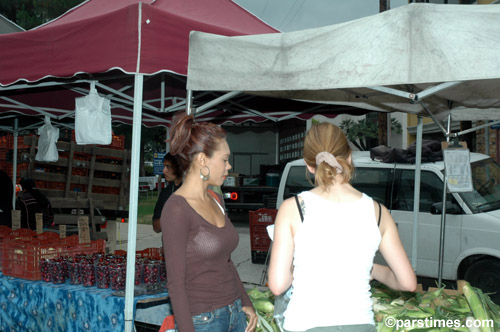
(486, 183)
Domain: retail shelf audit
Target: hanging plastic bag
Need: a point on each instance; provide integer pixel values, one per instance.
(280, 305)
(93, 119)
(47, 148)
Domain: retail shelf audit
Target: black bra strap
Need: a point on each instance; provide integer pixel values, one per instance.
(379, 213)
(300, 209)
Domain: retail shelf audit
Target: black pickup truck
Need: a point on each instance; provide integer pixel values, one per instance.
(249, 197)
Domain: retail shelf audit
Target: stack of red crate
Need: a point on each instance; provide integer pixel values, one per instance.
(23, 250)
(6, 154)
(4, 232)
(259, 239)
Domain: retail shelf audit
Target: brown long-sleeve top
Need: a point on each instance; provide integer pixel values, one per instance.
(201, 276)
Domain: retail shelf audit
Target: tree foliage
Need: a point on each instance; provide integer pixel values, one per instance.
(358, 133)
(32, 13)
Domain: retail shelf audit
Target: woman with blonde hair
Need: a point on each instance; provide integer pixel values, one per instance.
(325, 241)
(203, 283)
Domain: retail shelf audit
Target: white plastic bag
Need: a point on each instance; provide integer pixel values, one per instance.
(280, 301)
(93, 119)
(47, 148)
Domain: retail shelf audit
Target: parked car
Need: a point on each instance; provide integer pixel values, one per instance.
(472, 237)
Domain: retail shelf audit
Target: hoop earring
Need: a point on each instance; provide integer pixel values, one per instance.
(203, 176)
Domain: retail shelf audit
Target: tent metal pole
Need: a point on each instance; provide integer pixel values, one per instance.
(14, 160)
(217, 101)
(130, 99)
(438, 88)
(394, 92)
(292, 115)
(36, 109)
(162, 94)
(486, 125)
(487, 139)
(39, 85)
(433, 118)
(416, 194)
(133, 202)
(443, 216)
(189, 101)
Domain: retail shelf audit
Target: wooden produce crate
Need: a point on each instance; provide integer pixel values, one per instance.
(85, 177)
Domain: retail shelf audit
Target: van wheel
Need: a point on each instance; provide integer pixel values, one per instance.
(485, 275)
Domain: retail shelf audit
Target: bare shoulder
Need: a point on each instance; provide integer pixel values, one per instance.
(386, 220)
(287, 205)
(288, 210)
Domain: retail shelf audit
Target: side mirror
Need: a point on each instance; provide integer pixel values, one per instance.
(451, 208)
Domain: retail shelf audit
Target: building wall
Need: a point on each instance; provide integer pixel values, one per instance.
(251, 147)
(488, 141)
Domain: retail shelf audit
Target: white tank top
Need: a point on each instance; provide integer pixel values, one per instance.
(334, 250)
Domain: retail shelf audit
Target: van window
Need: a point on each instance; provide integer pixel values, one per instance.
(375, 182)
(486, 182)
(297, 182)
(431, 191)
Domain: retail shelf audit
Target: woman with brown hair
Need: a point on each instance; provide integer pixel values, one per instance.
(203, 283)
(325, 240)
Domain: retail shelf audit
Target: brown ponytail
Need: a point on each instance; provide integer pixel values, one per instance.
(326, 137)
(188, 138)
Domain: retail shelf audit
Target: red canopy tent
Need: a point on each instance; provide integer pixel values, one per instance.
(42, 71)
(132, 36)
(107, 40)
(131, 49)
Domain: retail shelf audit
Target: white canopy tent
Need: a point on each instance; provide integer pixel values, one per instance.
(445, 54)
(423, 59)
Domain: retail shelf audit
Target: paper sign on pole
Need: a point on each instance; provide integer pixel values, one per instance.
(83, 229)
(458, 170)
(39, 223)
(16, 219)
(62, 231)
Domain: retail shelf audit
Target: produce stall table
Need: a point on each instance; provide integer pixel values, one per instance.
(36, 306)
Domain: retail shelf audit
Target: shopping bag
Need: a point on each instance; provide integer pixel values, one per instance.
(168, 324)
(93, 119)
(47, 148)
(280, 305)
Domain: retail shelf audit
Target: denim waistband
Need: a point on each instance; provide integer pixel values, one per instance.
(230, 308)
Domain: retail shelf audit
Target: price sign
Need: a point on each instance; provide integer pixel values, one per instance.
(39, 223)
(16, 219)
(458, 170)
(62, 231)
(83, 229)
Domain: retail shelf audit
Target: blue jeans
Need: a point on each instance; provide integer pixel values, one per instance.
(226, 319)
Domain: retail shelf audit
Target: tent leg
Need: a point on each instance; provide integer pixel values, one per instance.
(14, 161)
(189, 101)
(218, 100)
(162, 94)
(416, 194)
(133, 202)
(443, 217)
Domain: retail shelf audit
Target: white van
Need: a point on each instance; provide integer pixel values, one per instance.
(472, 237)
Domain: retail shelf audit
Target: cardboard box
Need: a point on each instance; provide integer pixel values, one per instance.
(250, 182)
(230, 181)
